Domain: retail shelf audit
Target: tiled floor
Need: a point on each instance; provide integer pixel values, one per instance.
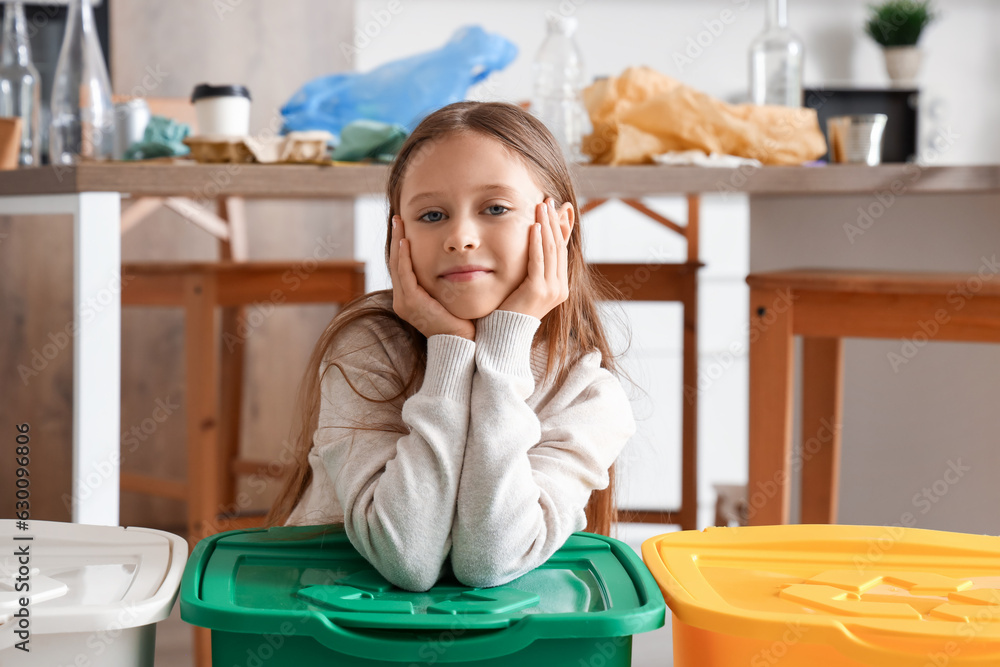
(651, 649)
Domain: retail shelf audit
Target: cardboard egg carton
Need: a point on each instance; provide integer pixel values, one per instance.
(295, 147)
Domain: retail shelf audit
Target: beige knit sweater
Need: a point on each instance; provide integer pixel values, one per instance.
(497, 466)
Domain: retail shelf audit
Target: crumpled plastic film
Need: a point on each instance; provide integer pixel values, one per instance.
(361, 139)
(164, 137)
(643, 113)
(402, 91)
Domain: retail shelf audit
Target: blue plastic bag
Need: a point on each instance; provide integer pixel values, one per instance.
(402, 91)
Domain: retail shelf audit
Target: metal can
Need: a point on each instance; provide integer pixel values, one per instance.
(856, 138)
(131, 119)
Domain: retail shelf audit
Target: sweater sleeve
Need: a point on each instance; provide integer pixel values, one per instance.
(398, 493)
(527, 478)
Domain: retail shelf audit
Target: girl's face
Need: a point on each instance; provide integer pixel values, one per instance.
(466, 200)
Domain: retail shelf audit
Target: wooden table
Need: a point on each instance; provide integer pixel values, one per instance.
(92, 194)
(322, 182)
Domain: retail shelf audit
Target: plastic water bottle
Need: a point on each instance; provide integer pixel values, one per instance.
(776, 60)
(558, 80)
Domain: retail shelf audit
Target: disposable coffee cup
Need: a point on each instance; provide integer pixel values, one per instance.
(857, 138)
(222, 110)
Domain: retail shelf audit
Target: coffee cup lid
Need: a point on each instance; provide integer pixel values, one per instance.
(203, 90)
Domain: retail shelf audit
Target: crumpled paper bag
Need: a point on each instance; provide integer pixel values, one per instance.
(644, 113)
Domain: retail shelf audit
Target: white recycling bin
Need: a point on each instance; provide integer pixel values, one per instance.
(94, 593)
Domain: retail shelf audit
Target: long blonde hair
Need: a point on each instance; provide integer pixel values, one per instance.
(571, 329)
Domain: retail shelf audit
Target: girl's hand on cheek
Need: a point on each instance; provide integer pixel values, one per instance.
(411, 301)
(547, 284)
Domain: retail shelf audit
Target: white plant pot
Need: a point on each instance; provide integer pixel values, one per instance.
(903, 64)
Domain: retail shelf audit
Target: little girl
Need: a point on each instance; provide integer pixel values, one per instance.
(473, 410)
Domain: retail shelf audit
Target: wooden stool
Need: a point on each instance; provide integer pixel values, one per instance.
(213, 414)
(671, 282)
(199, 288)
(825, 306)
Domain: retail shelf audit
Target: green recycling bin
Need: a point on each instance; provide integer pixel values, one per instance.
(302, 595)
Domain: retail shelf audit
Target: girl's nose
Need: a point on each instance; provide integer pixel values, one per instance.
(462, 234)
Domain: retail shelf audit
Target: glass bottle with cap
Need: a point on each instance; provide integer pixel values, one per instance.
(776, 61)
(83, 118)
(20, 85)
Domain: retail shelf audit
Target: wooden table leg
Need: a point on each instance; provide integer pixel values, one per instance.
(202, 646)
(689, 416)
(233, 353)
(822, 378)
(771, 385)
(201, 385)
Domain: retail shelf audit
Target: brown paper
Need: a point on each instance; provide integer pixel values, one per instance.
(644, 113)
(10, 142)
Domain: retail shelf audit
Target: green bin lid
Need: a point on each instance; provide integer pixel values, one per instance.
(254, 581)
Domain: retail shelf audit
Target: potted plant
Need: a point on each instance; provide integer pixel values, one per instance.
(897, 25)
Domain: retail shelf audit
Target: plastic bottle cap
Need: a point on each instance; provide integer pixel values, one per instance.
(203, 90)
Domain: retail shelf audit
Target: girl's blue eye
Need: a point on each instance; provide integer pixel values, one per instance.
(431, 213)
(492, 210)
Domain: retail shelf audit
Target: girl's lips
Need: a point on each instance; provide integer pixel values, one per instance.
(465, 276)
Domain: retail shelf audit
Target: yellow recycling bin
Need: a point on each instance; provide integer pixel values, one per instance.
(830, 596)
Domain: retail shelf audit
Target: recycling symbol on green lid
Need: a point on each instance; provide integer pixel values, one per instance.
(358, 593)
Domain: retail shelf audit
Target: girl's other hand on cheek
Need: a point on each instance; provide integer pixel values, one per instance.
(547, 284)
(411, 301)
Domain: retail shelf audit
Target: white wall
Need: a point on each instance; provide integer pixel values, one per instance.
(961, 71)
(919, 423)
(961, 89)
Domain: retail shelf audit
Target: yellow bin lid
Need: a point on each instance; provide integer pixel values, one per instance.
(875, 595)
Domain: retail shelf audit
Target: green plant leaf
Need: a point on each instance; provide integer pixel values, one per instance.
(899, 22)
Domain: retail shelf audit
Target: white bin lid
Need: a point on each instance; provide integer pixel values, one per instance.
(87, 578)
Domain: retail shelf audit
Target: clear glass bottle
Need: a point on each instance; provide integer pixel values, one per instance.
(776, 61)
(20, 85)
(83, 118)
(558, 81)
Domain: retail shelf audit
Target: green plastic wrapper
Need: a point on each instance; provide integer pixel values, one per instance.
(163, 138)
(369, 139)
